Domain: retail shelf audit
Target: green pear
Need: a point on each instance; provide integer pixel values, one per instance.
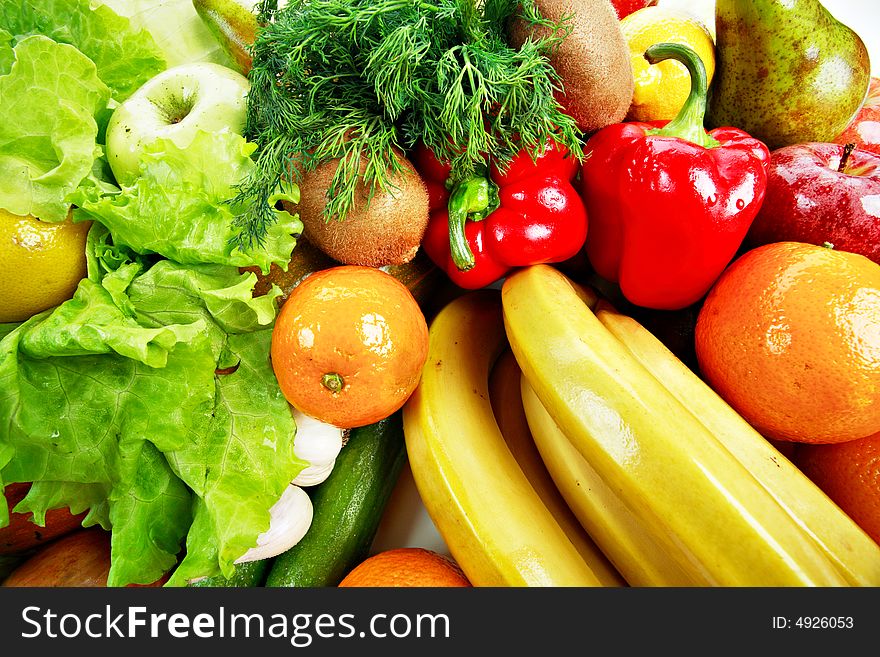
(787, 71)
(234, 24)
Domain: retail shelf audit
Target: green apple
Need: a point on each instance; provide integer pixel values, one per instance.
(174, 105)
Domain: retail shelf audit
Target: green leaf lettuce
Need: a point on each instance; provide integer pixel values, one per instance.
(181, 206)
(51, 95)
(112, 403)
(125, 57)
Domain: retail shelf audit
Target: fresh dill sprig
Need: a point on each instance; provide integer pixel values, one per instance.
(360, 81)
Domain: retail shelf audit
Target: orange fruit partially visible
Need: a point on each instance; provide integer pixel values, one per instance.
(849, 473)
(41, 263)
(789, 336)
(348, 345)
(406, 567)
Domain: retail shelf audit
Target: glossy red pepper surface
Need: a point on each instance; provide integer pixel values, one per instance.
(670, 203)
(528, 214)
(667, 216)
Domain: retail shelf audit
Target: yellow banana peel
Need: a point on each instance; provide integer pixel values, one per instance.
(667, 467)
(641, 557)
(494, 523)
(507, 405)
(851, 550)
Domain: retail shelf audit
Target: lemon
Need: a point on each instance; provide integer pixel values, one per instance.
(41, 263)
(662, 88)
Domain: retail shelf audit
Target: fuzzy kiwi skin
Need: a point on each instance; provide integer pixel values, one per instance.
(593, 61)
(386, 231)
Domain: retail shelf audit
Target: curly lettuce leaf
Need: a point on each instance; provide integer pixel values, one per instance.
(181, 206)
(65, 416)
(79, 498)
(92, 323)
(224, 292)
(7, 55)
(150, 513)
(125, 57)
(6, 454)
(233, 504)
(84, 427)
(48, 130)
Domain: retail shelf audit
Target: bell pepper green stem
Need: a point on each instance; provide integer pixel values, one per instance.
(471, 196)
(688, 124)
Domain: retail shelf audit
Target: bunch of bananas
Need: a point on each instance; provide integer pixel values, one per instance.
(556, 442)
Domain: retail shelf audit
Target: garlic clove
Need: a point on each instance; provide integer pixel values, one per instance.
(291, 517)
(317, 442)
(314, 474)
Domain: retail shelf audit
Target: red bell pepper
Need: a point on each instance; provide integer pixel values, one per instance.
(670, 203)
(482, 227)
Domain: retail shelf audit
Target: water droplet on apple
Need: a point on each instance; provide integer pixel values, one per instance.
(740, 204)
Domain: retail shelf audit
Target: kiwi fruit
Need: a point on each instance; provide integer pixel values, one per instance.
(592, 61)
(386, 229)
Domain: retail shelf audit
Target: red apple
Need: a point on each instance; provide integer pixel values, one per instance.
(626, 7)
(864, 130)
(812, 198)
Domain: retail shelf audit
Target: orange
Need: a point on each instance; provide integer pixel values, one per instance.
(406, 567)
(789, 336)
(349, 345)
(41, 264)
(849, 473)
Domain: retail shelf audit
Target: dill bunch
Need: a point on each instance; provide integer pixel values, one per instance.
(357, 80)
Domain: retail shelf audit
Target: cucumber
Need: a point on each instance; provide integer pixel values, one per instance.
(247, 575)
(348, 506)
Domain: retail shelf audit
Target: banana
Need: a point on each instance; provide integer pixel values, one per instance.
(507, 405)
(849, 548)
(686, 488)
(492, 520)
(634, 551)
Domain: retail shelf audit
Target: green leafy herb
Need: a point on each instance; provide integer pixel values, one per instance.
(354, 80)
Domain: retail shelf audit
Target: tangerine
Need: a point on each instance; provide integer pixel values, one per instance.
(406, 567)
(349, 345)
(789, 336)
(849, 473)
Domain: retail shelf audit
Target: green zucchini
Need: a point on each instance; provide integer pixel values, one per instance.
(348, 507)
(247, 575)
